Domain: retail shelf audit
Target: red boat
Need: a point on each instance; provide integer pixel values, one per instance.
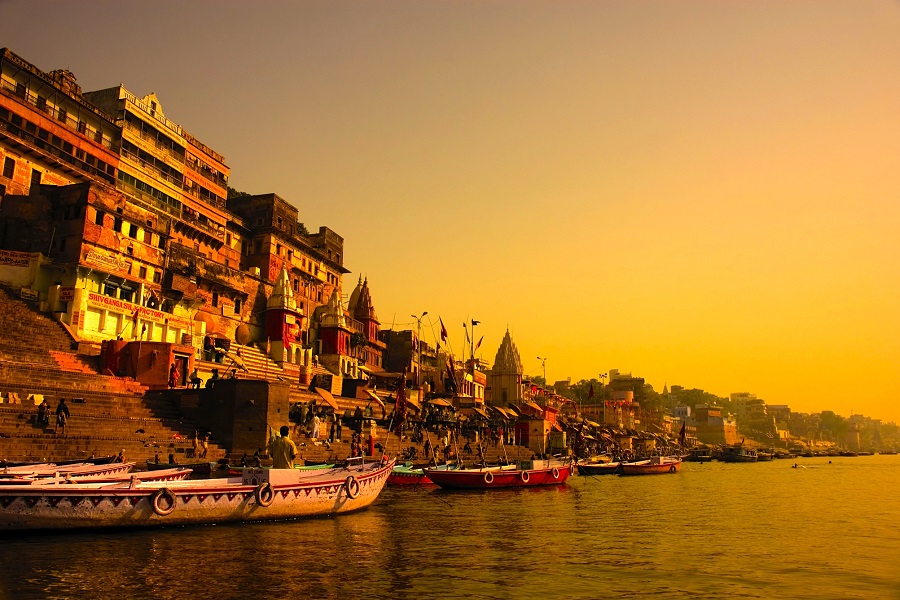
(656, 465)
(526, 474)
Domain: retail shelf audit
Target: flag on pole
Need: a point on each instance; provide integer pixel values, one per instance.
(467, 333)
(478, 345)
(682, 434)
(443, 330)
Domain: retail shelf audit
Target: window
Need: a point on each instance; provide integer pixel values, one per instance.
(35, 177)
(98, 218)
(237, 306)
(215, 299)
(156, 277)
(117, 224)
(132, 231)
(142, 272)
(9, 167)
(62, 114)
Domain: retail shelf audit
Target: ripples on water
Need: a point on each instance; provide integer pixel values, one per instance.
(713, 531)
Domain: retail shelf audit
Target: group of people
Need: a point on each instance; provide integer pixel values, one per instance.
(62, 415)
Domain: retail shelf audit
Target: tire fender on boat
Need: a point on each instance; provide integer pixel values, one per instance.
(163, 501)
(264, 494)
(673, 469)
(572, 470)
(555, 473)
(524, 476)
(352, 487)
(488, 477)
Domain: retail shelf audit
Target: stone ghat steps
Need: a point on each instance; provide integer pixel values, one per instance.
(39, 376)
(23, 325)
(100, 404)
(21, 438)
(68, 361)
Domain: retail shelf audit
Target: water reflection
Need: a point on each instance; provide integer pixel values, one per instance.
(712, 531)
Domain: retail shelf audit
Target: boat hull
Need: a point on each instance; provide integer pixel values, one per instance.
(610, 468)
(651, 467)
(259, 496)
(497, 477)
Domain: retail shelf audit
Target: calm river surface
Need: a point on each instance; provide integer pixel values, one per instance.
(765, 530)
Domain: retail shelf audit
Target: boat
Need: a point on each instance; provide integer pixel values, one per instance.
(175, 474)
(258, 495)
(738, 454)
(102, 460)
(199, 468)
(699, 455)
(408, 474)
(764, 456)
(52, 470)
(528, 473)
(308, 467)
(609, 468)
(655, 465)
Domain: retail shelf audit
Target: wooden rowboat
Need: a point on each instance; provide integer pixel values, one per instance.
(656, 465)
(260, 494)
(525, 474)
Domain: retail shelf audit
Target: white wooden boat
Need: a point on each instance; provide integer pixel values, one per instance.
(49, 470)
(259, 494)
(173, 474)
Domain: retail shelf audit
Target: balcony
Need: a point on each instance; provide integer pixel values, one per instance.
(70, 122)
(34, 145)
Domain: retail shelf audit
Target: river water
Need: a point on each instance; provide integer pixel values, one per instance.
(827, 529)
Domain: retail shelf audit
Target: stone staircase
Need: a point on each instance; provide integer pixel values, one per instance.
(109, 414)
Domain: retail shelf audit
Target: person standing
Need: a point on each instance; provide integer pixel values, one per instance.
(338, 428)
(62, 416)
(43, 416)
(283, 450)
(195, 444)
(315, 427)
(173, 376)
(204, 445)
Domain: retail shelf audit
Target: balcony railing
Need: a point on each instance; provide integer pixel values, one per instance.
(69, 121)
(40, 146)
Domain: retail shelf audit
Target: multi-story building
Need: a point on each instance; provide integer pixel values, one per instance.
(168, 246)
(49, 132)
(713, 427)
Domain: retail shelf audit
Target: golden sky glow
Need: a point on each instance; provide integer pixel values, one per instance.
(704, 193)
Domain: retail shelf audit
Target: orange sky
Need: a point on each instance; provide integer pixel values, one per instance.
(703, 193)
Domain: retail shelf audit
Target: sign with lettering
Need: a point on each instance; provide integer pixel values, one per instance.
(143, 312)
(107, 261)
(11, 258)
(66, 294)
(28, 294)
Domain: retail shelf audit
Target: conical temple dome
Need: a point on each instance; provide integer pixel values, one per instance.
(507, 361)
(283, 295)
(334, 312)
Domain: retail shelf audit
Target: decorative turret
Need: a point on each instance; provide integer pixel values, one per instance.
(283, 294)
(284, 331)
(507, 361)
(506, 376)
